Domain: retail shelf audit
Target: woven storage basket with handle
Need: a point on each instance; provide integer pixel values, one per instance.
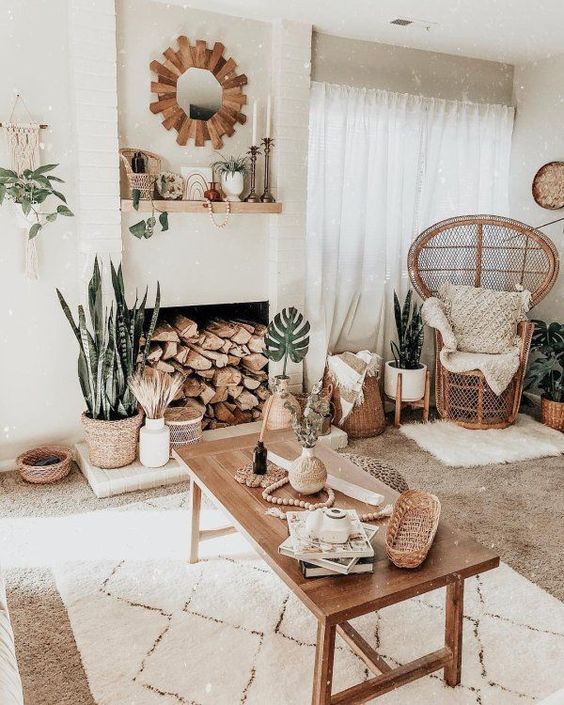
(412, 528)
(144, 182)
(366, 419)
(185, 425)
(44, 474)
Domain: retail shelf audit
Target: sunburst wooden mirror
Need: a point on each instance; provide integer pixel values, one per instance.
(199, 92)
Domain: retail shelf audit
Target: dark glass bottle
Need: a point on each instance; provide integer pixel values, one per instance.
(259, 459)
(138, 163)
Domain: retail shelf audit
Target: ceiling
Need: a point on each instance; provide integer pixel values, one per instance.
(513, 31)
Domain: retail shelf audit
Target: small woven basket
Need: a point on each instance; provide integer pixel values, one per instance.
(412, 528)
(44, 474)
(185, 426)
(145, 183)
(365, 420)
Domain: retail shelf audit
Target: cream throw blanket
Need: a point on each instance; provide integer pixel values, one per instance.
(348, 371)
(498, 369)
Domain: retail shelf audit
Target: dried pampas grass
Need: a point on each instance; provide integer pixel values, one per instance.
(154, 390)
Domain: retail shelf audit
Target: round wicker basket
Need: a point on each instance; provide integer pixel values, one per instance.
(112, 444)
(412, 528)
(44, 474)
(552, 413)
(185, 425)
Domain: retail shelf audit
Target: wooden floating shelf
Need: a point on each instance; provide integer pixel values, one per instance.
(200, 207)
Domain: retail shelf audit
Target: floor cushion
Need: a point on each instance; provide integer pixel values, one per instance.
(385, 474)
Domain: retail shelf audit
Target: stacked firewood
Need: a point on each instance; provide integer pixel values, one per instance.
(227, 380)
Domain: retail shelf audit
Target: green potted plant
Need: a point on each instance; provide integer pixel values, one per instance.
(286, 338)
(546, 371)
(111, 349)
(406, 352)
(28, 191)
(232, 173)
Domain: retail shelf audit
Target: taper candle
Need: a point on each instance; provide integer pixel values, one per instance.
(255, 121)
(268, 116)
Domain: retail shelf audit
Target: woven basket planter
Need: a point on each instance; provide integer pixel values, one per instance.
(365, 420)
(412, 528)
(112, 444)
(44, 474)
(185, 426)
(552, 413)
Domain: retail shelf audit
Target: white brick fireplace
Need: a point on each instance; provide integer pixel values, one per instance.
(270, 261)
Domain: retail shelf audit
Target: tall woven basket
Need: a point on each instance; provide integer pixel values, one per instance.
(185, 426)
(365, 420)
(112, 444)
(145, 183)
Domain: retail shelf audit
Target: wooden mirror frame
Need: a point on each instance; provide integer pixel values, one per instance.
(224, 70)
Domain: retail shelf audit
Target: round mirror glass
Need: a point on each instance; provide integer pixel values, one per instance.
(199, 93)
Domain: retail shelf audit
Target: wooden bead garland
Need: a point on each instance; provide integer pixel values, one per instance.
(290, 502)
(219, 226)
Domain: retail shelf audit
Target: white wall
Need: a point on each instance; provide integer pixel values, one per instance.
(353, 62)
(195, 263)
(538, 138)
(40, 398)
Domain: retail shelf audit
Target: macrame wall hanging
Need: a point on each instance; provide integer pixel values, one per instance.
(23, 143)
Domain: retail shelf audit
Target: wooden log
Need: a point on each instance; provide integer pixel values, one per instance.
(165, 332)
(255, 361)
(219, 359)
(260, 329)
(256, 343)
(170, 348)
(246, 400)
(234, 390)
(242, 336)
(155, 353)
(207, 394)
(186, 327)
(210, 411)
(206, 374)
(179, 396)
(227, 376)
(247, 326)
(233, 360)
(223, 413)
(211, 341)
(197, 361)
(219, 396)
(256, 413)
(242, 416)
(251, 383)
(260, 375)
(262, 393)
(196, 405)
(193, 387)
(223, 329)
(238, 350)
(227, 345)
(182, 354)
(164, 367)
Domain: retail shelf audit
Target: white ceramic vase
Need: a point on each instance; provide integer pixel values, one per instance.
(154, 443)
(412, 382)
(233, 184)
(307, 473)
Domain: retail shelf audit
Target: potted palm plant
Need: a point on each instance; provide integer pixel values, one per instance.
(286, 338)
(110, 351)
(546, 371)
(232, 172)
(406, 352)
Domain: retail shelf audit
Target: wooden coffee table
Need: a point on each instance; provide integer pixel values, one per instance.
(336, 600)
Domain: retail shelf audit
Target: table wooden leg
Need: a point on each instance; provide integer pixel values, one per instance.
(453, 629)
(324, 657)
(194, 522)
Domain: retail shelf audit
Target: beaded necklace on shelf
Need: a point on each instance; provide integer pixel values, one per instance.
(219, 226)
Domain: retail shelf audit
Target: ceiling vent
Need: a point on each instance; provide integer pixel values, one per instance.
(401, 22)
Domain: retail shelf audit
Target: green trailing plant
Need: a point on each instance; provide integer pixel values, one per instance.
(287, 337)
(307, 425)
(145, 229)
(30, 190)
(410, 329)
(111, 348)
(546, 371)
(231, 165)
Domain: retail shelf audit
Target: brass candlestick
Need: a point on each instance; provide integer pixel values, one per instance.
(267, 197)
(254, 151)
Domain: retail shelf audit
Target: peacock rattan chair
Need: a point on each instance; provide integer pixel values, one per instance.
(495, 253)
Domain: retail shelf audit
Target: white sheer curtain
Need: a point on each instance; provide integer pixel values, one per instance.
(381, 168)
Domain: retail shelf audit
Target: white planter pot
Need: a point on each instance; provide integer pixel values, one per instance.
(412, 382)
(154, 443)
(233, 185)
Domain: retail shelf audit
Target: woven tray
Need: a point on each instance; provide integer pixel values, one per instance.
(412, 528)
(44, 474)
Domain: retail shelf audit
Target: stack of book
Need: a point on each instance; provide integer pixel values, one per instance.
(318, 559)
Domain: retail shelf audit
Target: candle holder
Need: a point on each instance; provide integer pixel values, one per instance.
(267, 197)
(254, 151)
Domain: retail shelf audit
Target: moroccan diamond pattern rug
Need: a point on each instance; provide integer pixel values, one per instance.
(152, 630)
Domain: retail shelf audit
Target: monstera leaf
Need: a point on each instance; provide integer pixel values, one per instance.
(287, 337)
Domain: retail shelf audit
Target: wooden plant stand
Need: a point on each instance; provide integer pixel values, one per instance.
(334, 601)
(418, 404)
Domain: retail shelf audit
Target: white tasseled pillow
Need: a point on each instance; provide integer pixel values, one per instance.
(483, 320)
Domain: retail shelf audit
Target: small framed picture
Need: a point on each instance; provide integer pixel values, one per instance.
(197, 179)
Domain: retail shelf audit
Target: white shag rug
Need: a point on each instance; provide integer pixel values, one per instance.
(453, 445)
(152, 630)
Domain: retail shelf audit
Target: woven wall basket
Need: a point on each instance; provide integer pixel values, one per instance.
(44, 474)
(412, 528)
(112, 444)
(366, 419)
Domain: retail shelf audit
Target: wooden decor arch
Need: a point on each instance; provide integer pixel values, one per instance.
(199, 56)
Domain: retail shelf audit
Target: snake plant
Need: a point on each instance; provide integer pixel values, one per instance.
(110, 346)
(410, 327)
(286, 337)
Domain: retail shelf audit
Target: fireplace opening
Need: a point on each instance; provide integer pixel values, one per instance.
(220, 349)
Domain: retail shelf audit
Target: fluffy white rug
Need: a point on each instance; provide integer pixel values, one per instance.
(153, 630)
(460, 447)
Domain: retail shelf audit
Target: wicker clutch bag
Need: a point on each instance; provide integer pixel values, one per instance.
(412, 528)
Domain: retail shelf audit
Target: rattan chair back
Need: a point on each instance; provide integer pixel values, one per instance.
(483, 250)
